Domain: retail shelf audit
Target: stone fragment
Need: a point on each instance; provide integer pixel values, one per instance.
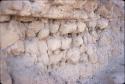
(53, 43)
(77, 41)
(16, 49)
(66, 43)
(59, 12)
(26, 8)
(80, 14)
(36, 26)
(9, 7)
(95, 36)
(56, 57)
(81, 27)
(19, 28)
(4, 18)
(91, 38)
(91, 51)
(44, 32)
(68, 27)
(36, 9)
(103, 11)
(93, 16)
(40, 7)
(79, 4)
(16, 5)
(33, 28)
(90, 5)
(54, 27)
(30, 33)
(82, 48)
(8, 35)
(42, 46)
(73, 55)
(31, 47)
(92, 24)
(22, 27)
(102, 23)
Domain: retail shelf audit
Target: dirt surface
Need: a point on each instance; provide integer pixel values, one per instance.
(62, 42)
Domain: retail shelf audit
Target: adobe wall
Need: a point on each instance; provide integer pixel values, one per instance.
(58, 41)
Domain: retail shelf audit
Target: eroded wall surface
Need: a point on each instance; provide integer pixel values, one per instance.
(59, 41)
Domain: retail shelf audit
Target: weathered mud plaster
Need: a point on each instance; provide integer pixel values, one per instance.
(58, 41)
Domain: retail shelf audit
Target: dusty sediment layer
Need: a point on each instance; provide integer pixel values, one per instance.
(58, 41)
(58, 9)
(54, 9)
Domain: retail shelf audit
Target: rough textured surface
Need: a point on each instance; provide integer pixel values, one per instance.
(62, 42)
